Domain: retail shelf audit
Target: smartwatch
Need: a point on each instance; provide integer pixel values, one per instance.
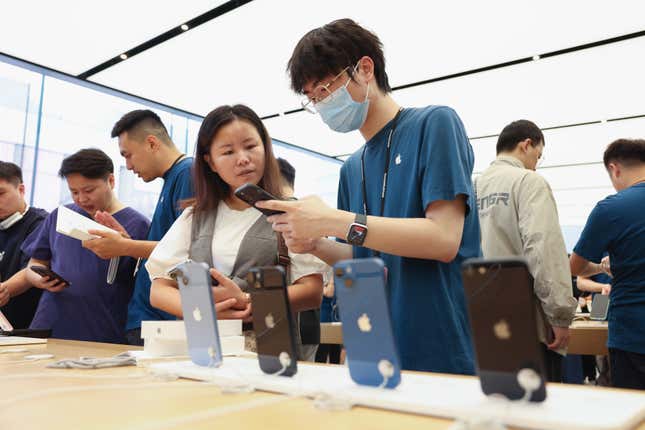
(357, 230)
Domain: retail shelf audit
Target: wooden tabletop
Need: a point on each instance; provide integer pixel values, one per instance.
(34, 397)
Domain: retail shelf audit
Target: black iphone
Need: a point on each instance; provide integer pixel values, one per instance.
(45, 271)
(273, 322)
(252, 194)
(501, 306)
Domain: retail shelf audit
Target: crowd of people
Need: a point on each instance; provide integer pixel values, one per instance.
(406, 196)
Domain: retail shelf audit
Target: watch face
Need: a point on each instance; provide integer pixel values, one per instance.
(357, 234)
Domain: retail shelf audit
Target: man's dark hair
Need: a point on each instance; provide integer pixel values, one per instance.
(141, 123)
(287, 171)
(90, 163)
(516, 132)
(628, 152)
(11, 173)
(327, 50)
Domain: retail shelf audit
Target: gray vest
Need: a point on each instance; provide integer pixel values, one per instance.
(259, 247)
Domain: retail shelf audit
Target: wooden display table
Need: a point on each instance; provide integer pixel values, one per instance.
(586, 337)
(35, 397)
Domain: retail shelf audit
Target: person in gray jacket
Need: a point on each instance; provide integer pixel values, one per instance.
(518, 217)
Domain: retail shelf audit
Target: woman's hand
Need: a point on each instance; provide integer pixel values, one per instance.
(228, 289)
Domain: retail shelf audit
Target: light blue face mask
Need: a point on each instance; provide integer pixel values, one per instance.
(341, 113)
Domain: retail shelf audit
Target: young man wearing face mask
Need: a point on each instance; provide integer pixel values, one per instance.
(617, 226)
(88, 308)
(518, 217)
(422, 222)
(17, 221)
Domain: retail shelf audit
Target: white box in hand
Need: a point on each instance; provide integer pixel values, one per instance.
(75, 225)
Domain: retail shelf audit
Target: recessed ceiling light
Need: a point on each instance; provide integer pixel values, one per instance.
(184, 27)
(123, 56)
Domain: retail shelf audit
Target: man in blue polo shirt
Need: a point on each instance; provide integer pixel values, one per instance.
(150, 153)
(617, 225)
(422, 222)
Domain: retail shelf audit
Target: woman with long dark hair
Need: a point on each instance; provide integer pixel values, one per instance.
(233, 148)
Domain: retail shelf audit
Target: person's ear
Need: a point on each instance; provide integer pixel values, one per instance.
(525, 145)
(365, 68)
(153, 143)
(111, 180)
(21, 190)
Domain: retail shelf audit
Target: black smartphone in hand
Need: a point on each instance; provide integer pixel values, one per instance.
(45, 271)
(252, 194)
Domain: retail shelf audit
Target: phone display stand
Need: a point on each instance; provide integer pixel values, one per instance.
(530, 382)
(386, 369)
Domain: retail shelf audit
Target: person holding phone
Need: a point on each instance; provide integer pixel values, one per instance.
(88, 307)
(150, 153)
(223, 231)
(406, 195)
(17, 222)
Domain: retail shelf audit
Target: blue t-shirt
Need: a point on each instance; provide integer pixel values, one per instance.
(89, 308)
(617, 225)
(177, 186)
(431, 160)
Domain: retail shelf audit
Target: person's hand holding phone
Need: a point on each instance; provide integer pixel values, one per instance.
(45, 282)
(307, 218)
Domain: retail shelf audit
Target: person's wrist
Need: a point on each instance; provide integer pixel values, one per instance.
(342, 221)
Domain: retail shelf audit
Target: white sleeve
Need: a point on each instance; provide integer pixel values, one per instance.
(305, 264)
(172, 249)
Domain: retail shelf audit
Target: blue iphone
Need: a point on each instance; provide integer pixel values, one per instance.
(367, 330)
(199, 313)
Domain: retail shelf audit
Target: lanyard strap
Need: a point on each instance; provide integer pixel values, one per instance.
(385, 170)
(395, 121)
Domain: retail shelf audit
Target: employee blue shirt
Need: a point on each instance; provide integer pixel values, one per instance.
(617, 225)
(177, 186)
(89, 308)
(431, 159)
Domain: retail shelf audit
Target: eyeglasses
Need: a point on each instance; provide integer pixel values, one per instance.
(320, 93)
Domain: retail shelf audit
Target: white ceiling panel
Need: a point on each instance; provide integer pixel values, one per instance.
(590, 85)
(241, 56)
(571, 145)
(73, 36)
